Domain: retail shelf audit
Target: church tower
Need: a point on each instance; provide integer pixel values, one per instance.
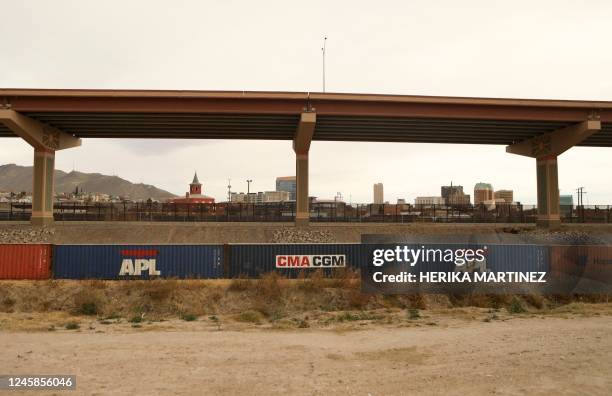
(195, 187)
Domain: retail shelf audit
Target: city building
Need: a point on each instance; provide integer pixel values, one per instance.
(506, 195)
(260, 197)
(566, 205)
(492, 204)
(401, 201)
(454, 195)
(482, 192)
(287, 183)
(428, 201)
(379, 196)
(566, 200)
(447, 191)
(194, 195)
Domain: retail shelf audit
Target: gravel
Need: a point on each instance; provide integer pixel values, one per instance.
(26, 235)
(293, 235)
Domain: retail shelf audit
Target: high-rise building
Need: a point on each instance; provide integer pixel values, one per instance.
(286, 183)
(482, 192)
(447, 191)
(506, 195)
(379, 197)
(454, 195)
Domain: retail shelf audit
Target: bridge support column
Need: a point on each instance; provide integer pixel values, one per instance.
(545, 149)
(302, 207)
(45, 139)
(42, 191)
(301, 146)
(548, 192)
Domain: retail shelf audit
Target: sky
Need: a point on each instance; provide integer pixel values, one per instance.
(510, 49)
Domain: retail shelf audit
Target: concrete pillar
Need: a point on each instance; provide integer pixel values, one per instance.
(302, 213)
(545, 149)
(45, 139)
(548, 192)
(301, 146)
(42, 193)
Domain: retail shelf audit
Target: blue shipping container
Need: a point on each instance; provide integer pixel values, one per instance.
(137, 261)
(252, 261)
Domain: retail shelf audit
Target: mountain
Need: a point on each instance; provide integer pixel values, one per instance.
(19, 178)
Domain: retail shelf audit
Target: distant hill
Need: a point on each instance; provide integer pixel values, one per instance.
(19, 178)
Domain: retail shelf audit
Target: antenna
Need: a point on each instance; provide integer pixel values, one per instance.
(323, 52)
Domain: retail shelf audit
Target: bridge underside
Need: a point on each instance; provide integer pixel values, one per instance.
(52, 120)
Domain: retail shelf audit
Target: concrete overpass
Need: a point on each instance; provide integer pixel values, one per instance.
(52, 120)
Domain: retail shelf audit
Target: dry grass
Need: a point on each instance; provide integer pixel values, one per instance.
(272, 298)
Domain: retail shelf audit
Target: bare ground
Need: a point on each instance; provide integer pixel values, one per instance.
(443, 351)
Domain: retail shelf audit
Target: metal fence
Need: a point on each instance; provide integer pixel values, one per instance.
(319, 212)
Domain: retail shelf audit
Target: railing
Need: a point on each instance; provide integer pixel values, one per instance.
(319, 212)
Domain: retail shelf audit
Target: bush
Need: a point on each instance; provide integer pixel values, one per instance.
(515, 306)
(88, 308)
(72, 326)
(136, 319)
(189, 317)
(413, 313)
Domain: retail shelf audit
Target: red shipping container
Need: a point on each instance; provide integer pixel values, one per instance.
(591, 262)
(25, 261)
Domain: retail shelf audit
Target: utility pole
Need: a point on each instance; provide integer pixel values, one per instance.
(580, 192)
(323, 51)
(249, 181)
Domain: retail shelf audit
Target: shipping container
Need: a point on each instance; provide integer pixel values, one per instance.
(137, 261)
(252, 261)
(25, 261)
(430, 263)
(518, 258)
(588, 262)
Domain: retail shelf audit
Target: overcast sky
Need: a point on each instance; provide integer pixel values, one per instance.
(517, 49)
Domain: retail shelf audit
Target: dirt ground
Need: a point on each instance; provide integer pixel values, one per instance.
(455, 351)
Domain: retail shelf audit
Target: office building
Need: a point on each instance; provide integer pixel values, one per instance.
(260, 197)
(428, 201)
(287, 183)
(379, 197)
(506, 195)
(482, 192)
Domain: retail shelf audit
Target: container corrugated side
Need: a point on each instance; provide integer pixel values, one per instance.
(592, 262)
(137, 261)
(25, 261)
(246, 260)
(518, 258)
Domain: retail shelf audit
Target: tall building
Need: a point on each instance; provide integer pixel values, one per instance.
(286, 183)
(194, 195)
(482, 192)
(379, 197)
(454, 195)
(506, 195)
(447, 191)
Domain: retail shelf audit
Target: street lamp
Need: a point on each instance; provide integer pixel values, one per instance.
(249, 186)
(323, 51)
